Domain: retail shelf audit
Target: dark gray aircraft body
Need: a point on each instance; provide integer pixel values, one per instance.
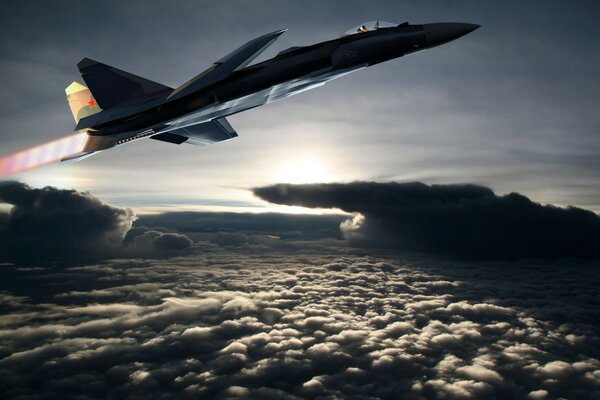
(117, 107)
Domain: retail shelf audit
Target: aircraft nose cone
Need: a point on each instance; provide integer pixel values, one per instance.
(444, 32)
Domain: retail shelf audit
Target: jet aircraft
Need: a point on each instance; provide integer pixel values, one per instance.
(117, 107)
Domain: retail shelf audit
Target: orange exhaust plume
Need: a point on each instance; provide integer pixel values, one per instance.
(42, 154)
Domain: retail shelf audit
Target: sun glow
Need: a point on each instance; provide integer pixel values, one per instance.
(302, 170)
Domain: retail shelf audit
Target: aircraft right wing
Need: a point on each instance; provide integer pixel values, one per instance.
(203, 134)
(224, 67)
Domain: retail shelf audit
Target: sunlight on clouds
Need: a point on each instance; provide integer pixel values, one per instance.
(310, 324)
(59, 175)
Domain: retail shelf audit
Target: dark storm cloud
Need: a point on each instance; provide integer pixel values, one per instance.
(241, 325)
(457, 220)
(51, 224)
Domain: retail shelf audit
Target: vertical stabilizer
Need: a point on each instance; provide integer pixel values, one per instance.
(81, 101)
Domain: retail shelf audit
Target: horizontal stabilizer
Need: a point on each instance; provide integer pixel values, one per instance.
(224, 67)
(77, 157)
(201, 134)
(113, 87)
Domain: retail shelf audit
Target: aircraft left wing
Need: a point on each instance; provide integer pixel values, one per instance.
(203, 134)
(232, 62)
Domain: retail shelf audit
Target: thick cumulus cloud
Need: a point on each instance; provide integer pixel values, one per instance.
(142, 240)
(281, 326)
(51, 224)
(457, 220)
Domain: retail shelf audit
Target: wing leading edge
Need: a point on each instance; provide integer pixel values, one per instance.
(234, 61)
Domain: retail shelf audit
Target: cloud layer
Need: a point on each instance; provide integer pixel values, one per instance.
(51, 224)
(227, 324)
(466, 221)
(459, 220)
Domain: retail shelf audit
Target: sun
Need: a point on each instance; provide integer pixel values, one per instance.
(302, 170)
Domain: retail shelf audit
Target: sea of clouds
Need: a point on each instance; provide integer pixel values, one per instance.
(244, 323)
(98, 303)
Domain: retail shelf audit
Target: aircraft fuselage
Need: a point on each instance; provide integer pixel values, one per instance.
(290, 72)
(115, 107)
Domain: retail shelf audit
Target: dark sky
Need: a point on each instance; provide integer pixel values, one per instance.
(512, 106)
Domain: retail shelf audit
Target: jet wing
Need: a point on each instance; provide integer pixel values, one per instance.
(200, 135)
(232, 62)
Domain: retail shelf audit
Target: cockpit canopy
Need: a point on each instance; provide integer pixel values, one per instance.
(369, 26)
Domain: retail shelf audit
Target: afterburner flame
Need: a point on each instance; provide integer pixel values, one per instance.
(42, 154)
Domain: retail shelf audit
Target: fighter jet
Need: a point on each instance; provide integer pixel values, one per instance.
(117, 107)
